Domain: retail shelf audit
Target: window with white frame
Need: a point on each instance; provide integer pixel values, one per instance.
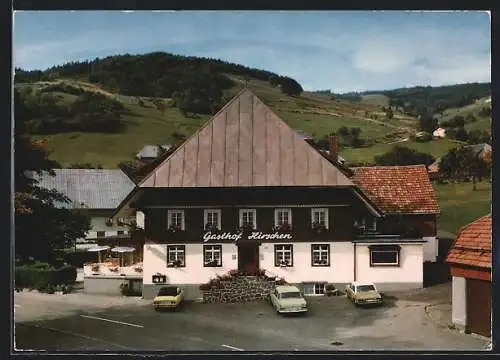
(313, 289)
(176, 219)
(248, 218)
(283, 255)
(283, 217)
(319, 217)
(320, 255)
(384, 255)
(212, 255)
(176, 256)
(212, 219)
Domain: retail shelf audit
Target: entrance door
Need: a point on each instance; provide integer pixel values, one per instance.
(479, 306)
(248, 256)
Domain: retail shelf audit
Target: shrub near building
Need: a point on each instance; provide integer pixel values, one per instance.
(43, 276)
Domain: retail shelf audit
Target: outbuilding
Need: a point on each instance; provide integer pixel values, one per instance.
(470, 260)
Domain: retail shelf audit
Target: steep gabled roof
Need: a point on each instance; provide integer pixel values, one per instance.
(89, 188)
(398, 189)
(473, 245)
(245, 145)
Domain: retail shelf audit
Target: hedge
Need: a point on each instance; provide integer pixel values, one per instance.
(40, 275)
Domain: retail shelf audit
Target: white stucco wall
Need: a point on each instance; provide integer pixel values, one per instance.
(410, 270)
(430, 248)
(459, 301)
(339, 271)
(155, 260)
(98, 223)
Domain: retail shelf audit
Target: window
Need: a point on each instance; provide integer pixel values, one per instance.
(367, 224)
(282, 217)
(120, 232)
(384, 255)
(283, 255)
(176, 256)
(319, 217)
(312, 289)
(101, 234)
(320, 255)
(176, 219)
(212, 255)
(248, 217)
(212, 219)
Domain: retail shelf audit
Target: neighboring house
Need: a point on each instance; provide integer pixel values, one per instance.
(247, 192)
(471, 262)
(95, 191)
(439, 132)
(151, 152)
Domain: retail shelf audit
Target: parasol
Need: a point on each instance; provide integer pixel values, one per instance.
(122, 250)
(98, 249)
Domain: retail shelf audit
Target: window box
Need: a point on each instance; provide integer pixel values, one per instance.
(212, 228)
(246, 228)
(318, 227)
(384, 255)
(284, 228)
(109, 222)
(174, 228)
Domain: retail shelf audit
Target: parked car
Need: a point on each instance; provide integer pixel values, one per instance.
(288, 299)
(168, 297)
(363, 293)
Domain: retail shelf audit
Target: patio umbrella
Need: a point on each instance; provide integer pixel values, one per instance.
(98, 249)
(122, 250)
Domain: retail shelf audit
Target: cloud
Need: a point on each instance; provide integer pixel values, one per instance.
(318, 50)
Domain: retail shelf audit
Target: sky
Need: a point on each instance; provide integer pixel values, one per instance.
(340, 51)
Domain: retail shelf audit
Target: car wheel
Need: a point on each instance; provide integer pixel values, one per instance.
(157, 308)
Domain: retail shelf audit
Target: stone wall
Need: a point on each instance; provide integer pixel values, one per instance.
(239, 290)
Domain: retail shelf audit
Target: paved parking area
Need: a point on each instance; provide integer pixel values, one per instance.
(333, 324)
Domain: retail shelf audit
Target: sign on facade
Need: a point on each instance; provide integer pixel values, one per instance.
(256, 235)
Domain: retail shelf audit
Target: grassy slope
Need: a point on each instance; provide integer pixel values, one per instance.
(436, 148)
(482, 123)
(312, 113)
(460, 205)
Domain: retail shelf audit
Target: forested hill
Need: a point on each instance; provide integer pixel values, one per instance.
(420, 100)
(197, 83)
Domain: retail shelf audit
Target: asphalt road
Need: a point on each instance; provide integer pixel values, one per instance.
(333, 324)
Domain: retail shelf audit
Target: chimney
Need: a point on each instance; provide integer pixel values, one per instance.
(334, 147)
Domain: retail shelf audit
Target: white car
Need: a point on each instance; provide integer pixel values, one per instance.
(288, 299)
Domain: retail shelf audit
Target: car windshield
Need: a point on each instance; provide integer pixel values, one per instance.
(291, 295)
(167, 291)
(363, 288)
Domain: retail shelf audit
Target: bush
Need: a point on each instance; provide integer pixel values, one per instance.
(41, 275)
(79, 258)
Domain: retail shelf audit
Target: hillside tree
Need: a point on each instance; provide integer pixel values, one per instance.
(42, 226)
(463, 164)
(401, 155)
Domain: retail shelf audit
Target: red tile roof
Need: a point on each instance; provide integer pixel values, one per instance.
(398, 189)
(473, 245)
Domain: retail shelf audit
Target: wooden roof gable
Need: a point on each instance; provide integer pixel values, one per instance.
(245, 145)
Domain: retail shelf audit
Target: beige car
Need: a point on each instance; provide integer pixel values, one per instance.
(363, 293)
(288, 299)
